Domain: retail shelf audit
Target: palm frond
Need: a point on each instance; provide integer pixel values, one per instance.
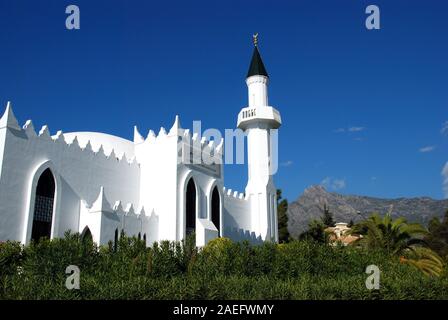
(424, 259)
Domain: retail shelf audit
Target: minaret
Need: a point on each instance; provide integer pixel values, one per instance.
(258, 121)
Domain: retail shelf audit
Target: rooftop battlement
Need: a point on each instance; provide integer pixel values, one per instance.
(69, 141)
(193, 149)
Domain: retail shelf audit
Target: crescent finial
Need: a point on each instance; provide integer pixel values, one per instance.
(255, 38)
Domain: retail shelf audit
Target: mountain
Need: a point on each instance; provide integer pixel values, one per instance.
(345, 208)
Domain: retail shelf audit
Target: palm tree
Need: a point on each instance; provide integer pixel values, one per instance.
(424, 259)
(399, 238)
(392, 235)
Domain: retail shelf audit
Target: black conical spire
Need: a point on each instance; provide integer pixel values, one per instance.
(256, 67)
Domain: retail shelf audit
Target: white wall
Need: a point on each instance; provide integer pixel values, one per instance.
(154, 180)
(158, 182)
(236, 210)
(79, 175)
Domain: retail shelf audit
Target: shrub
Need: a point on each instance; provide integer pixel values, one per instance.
(10, 257)
(221, 270)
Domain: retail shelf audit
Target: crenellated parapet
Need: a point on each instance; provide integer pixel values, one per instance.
(229, 193)
(239, 234)
(200, 151)
(152, 137)
(58, 140)
(101, 204)
(105, 220)
(192, 149)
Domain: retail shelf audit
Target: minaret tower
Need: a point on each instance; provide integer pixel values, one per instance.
(259, 120)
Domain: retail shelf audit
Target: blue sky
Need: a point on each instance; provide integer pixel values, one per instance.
(359, 107)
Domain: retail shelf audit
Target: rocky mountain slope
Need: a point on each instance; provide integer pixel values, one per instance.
(310, 205)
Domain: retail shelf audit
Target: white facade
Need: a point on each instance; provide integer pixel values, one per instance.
(106, 184)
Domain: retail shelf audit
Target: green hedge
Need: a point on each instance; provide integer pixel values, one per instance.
(222, 270)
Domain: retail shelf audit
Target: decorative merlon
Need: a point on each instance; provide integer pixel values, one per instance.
(118, 208)
(29, 129)
(162, 132)
(234, 194)
(8, 119)
(151, 136)
(176, 128)
(88, 147)
(112, 155)
(130, 209)
(137, 136)
(101, 204)
(45, 132)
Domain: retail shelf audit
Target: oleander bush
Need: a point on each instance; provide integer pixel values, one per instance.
(221, 270)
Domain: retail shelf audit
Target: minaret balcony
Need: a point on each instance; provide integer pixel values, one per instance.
(253, 115)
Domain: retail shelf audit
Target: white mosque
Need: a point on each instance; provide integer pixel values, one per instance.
(102, 185)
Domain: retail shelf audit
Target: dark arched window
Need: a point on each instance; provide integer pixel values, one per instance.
(144, 237)
(43, 206)
(190, 207)
(139, 236)
(116, 240)
(86, 235)
(216, 209)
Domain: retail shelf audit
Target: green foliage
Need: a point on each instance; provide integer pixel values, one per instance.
(10, 258)
(327, 218)
(394, 236)
(437, 237)
(399, 238)
(315, 232)
(316, 228)
(221, 270)
(282, 208)
(425, 260)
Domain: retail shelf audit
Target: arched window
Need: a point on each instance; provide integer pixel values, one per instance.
(216, 209)
(116, 240)
(190, 207)
(86, 235)
(144, 237)
(139, 236)
(43, 206)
